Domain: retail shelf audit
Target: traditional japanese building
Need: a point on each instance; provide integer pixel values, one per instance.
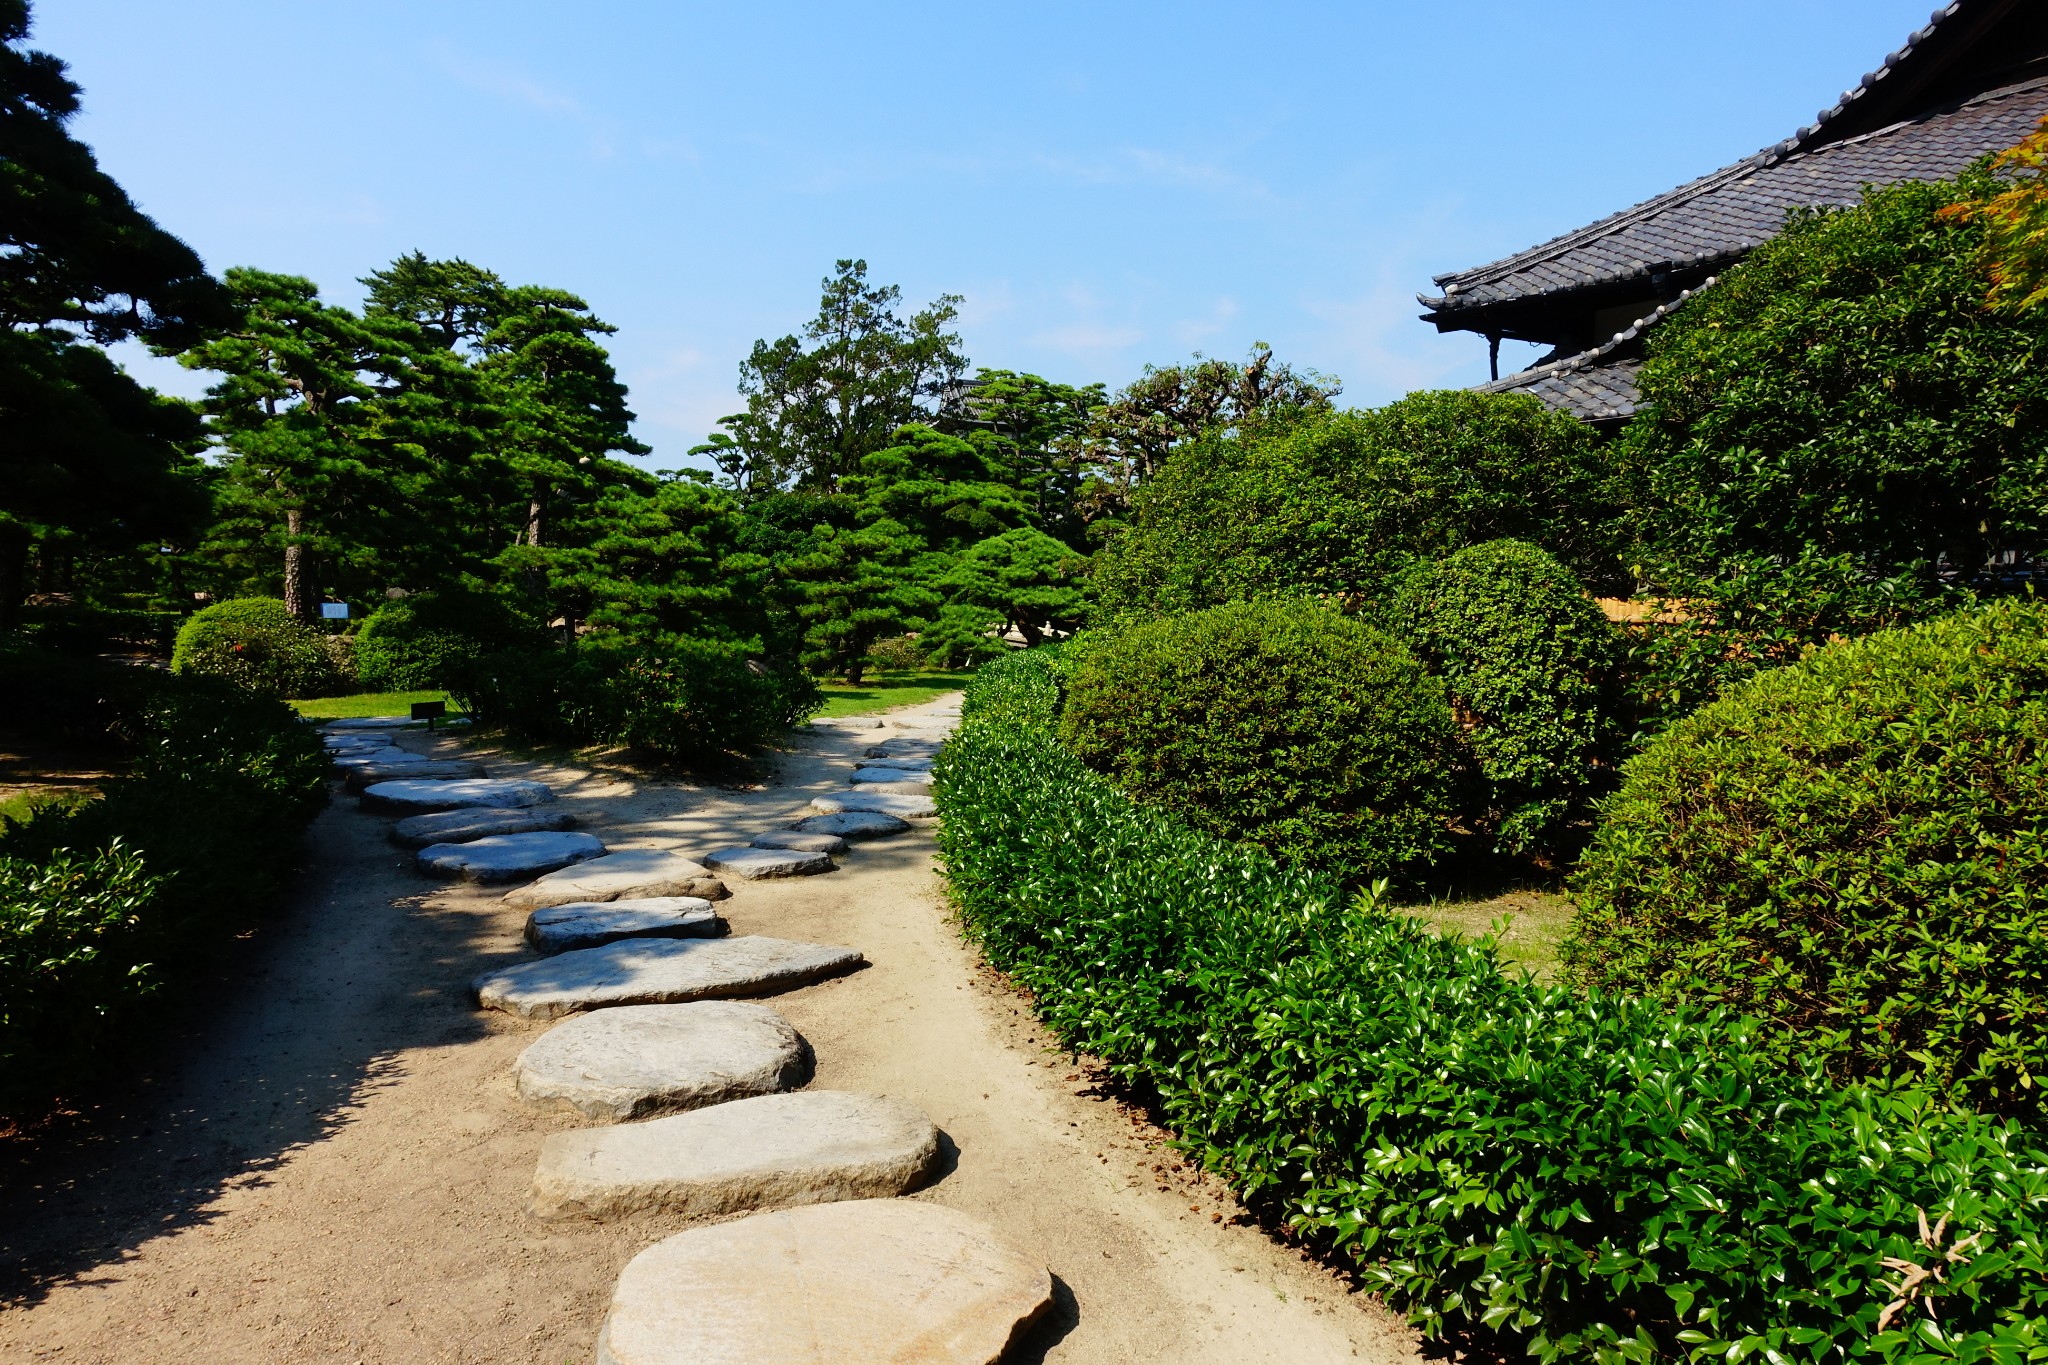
(1974, 80)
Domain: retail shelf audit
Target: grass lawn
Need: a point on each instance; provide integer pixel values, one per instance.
(1541, 919)
(887, 690)
(369, 704)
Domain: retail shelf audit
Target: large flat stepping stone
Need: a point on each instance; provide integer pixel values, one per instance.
(591, 924)
(903, 764)
(859, 824)
(509, 857)
(630, 874)
(905, 747)
(798, 839)
(889, 778)
(813, 1147)
(633, 1063)
(412, 795)
(761, 864)
(367, 723)
(658, 971)
(353, 743)
(370, 757)
(461, 826)
(902, 805)
(895, 1280)
(369, 774)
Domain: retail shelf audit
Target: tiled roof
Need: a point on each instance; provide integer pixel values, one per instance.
(1597, 386)
(1719, 217)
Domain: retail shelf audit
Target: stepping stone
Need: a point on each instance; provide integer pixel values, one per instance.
(768, 1152)
(850, 723)
(891, 777)
(852, 824)
(412, 796)
(658, 971)
(368, 723)
(370, 774)
(902, 805)
(379, 756)
(906, 764)
(630, 874)
(792, 838)
(591, 924)
(351, 743)
(906, 748)
(508, 857)
(760, 864)
(461, 826)
(872, 1280)
(643, 1060)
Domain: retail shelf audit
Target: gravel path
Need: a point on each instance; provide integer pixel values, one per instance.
(339, 1173)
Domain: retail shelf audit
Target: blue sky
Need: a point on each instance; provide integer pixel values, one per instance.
(1107, 185)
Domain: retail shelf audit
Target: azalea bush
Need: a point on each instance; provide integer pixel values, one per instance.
(254, 643)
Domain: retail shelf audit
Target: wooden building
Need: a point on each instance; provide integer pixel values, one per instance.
(1974, 80)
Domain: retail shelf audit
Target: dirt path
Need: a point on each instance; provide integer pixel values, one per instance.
(338, 1175)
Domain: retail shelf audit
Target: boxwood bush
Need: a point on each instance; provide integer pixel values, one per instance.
(1854, 849)
(1531, 664)
(107, 906)
(429, 639)
(1284, 724)
(254, 643)
(1600, 1178)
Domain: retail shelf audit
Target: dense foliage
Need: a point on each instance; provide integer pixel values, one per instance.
(1599, 1178)
(1336, 505)
(108, 905)
(1855, 850)
(253, 642)
(1531, 666)
(1283, 724)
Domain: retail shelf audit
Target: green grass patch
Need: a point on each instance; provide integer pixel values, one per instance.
(1537, 924)
(369, 704)
(887, 691)
(20, 806)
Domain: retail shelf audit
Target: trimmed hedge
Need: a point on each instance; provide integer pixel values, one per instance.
(430, 639)
(254, 643)
(105, 906)
(1605, 1179)
(1853, 848)
(1532, 667)
(1280, 723)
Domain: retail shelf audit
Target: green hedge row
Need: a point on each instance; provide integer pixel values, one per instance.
(107, 905)
(1601, 1178)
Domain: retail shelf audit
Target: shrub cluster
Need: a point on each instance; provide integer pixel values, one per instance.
(1531, 664)
(1283, 724)
(1606, 1179)
(676, 697)
(107, 904)
(1854, 849)
(254, 643)
(430, 639)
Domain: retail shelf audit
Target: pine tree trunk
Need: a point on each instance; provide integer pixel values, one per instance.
(536, 514)
(297, 568)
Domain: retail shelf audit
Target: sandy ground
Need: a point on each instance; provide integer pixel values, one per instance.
(338, 1172)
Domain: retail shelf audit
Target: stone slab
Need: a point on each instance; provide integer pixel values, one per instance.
(629, 874)
(342, 744)
(761, 864)
(903, 764)
(768, 1152)
(895, 1280)
(370, 756)
(659, 971)
(591, 924)
(618, 1065)
(508, 857)
(904, 747)
(413, 796)
(369, 774)
(796, 838)
(891, 777)
(349, 723)
(853, 825)
(481, 822)
(902, 805)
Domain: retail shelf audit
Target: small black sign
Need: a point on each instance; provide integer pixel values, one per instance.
(429, 710)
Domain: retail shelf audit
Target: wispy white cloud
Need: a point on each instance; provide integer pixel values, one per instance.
(1088, 337)
(1195, 331)
(513, 86)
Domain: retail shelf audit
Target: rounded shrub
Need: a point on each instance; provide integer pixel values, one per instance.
(430, 639)
(1530, 662)
(1283, 724)
(1854, 849)
(256, 644)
